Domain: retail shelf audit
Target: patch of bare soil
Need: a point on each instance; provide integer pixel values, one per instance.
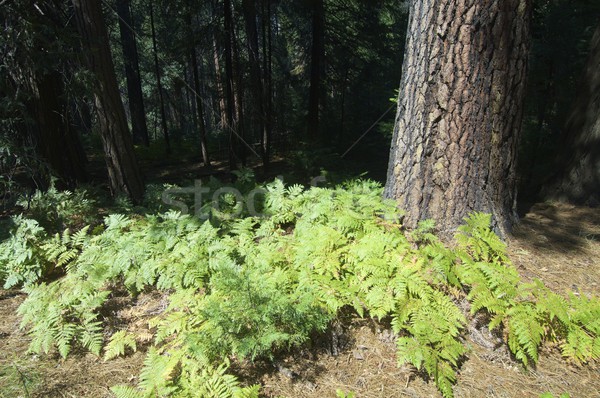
(558, 244)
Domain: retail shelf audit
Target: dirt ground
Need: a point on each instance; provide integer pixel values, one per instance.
(558, 244)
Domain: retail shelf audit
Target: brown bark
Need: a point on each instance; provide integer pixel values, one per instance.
(578, 178)
(459, 112)
(123, 171)
(132, 73)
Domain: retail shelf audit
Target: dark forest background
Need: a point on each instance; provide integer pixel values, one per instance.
(212, 86)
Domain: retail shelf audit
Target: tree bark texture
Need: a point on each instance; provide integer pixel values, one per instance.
(123, 171)
(132, 73)
(578, 177)
(459, 112)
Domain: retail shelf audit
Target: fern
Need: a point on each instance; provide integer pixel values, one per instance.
(250, 287)
(22, 258)
(118, 344)
(62, 314)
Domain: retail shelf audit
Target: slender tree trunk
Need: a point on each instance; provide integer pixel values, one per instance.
(197, 91)
(316, 68)
(123, 172)
(267, 50)
(199, 108)
(232, 115)
(219, 82)
(163, 115)
(238, 92)
(132, 73)
(257, 103)
(578, 178)
(459, 112)
(341, 134)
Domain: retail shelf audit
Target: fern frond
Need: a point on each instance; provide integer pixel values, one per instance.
(121, 391)
(118, 343)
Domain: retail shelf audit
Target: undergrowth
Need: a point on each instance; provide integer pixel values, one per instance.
(249, 287)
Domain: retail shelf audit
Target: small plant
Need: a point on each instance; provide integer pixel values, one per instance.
(341, 394)
(550, 395)
(118, 344)
(18, 379)
(57, 210)
(22, 258)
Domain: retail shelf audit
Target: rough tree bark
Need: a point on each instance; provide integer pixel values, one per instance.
(123, 171)
(132, 73)
(578, 177)
(459, 112)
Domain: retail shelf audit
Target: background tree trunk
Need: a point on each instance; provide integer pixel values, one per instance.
(197, 91)
(132, 73)
(578, 177)
(199, 108)
(459, 112)
(161, 101)
(123, 172)
(233, 121)
(257, 92)
(267, 51)
(316, 68)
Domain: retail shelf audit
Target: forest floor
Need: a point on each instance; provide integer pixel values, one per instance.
(558, 244)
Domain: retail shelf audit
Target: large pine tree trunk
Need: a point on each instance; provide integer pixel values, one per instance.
(459, 112)
(123, 171)
(132, 73)
(578, 177)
